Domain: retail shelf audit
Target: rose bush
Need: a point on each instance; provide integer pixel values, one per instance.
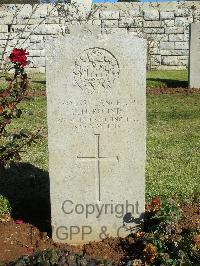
(12, 143)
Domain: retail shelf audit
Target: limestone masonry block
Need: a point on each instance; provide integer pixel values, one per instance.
(159, 37)
(166, 6)
(161, 67)
(174, 52)
(182, 12)
(166, 45)
(196, 15)
(166, 15)
(41, 11)
(109, 23)
(37, 46)
(30, 21)
(170, 60)
(153, 24)
(52, 20)
(3, 28)
(196, 19)
(5, 36)
(177, 37)
(109, 14)
(35, 53)
(17, 28)
(2, 43)
(176, 30)
(174, 60)
(86, 4)
(8, 20)
(45, 29)
(26, 11)
(168, 23)
(36, 69)
(183, 61)
(74, 12)
(155, 60)
(151, 15)
(95, 13)
(136, 12)
(42, 53)
(130, 22)
(96, 22)
(37, 61)
(181, 45)
(154, 51)
(36, 38)
(153, 30)
(2, 13)
(179, 21)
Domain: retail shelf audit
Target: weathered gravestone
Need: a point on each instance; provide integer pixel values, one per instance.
(194, 65)
(96, 123)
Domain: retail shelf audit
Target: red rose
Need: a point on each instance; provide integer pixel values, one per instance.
(156, 202)
(19, 56)
(1, 109)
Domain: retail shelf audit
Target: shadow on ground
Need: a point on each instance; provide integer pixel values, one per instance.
(170, 83)
(28, 191)
(39, 81)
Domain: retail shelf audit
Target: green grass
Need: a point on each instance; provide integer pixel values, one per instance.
(173, 145)
(5, 208)
(167, 78)
(34, 117)
(172, 138)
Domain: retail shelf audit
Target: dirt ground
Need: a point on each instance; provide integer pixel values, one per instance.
(152, 91)
(17, 239)
(166, 90)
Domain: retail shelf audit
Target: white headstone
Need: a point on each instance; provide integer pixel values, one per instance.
(194, 65)
(96, 90)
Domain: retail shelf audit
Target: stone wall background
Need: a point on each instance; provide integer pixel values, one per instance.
(164, 25)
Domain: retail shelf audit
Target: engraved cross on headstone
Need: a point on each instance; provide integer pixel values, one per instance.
(98, 158)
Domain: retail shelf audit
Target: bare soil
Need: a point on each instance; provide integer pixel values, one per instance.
(166, 90)
(151, 91)
(24, 239)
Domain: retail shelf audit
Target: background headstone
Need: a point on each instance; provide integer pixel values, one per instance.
(96, 87)
(194, 65)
